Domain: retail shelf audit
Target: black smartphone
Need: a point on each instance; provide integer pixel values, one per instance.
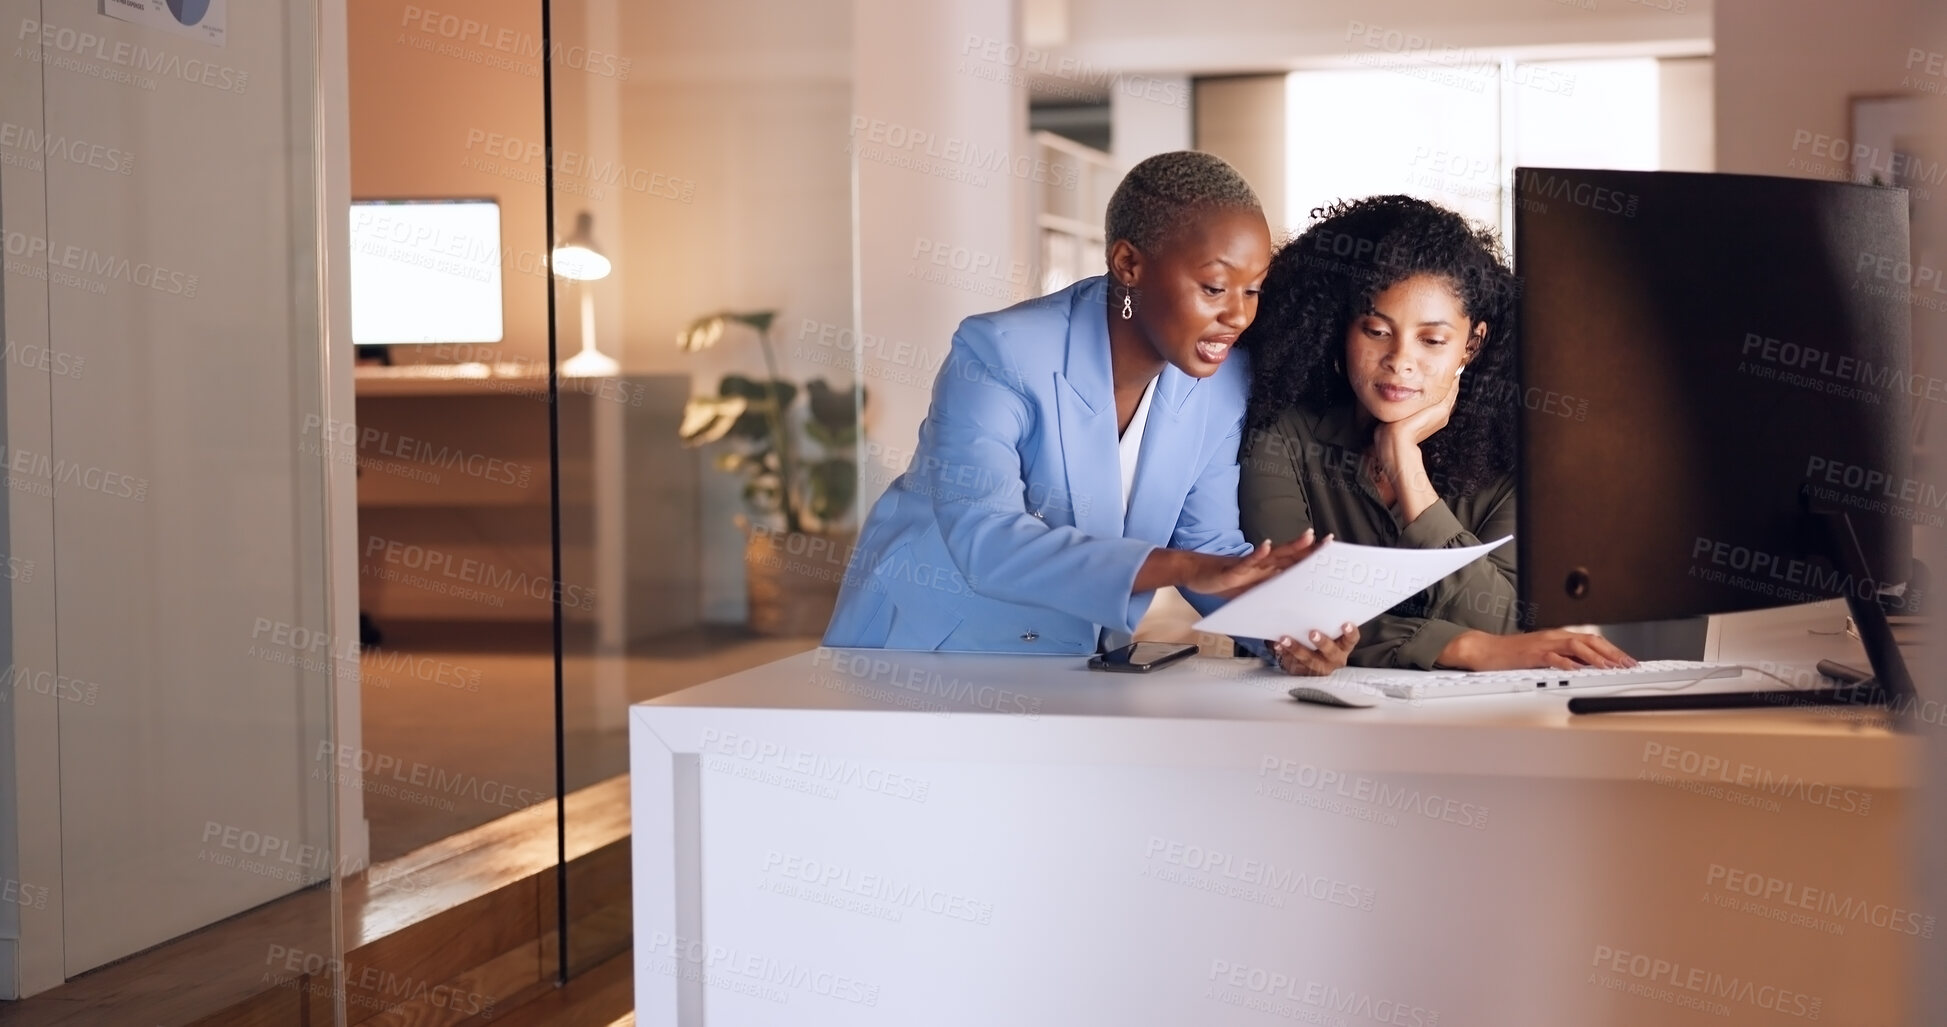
(1139, 657)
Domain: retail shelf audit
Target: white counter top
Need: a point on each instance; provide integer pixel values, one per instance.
(1208, 712)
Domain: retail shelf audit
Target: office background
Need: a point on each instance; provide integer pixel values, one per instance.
(205, 492)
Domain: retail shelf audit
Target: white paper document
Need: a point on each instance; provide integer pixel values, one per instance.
(1338, 582)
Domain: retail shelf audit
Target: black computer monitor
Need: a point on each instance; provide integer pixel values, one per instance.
(1729, 361)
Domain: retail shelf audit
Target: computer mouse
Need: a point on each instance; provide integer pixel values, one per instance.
(1352, 695)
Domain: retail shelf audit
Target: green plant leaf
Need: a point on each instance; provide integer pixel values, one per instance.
(700, 334)
(820, 434)
(830, 407)
(832, 438)
(753, 427)
(740, 385)
(761, 495)
(707, 419)
(758, 392)
(833, 485)
(758, 319)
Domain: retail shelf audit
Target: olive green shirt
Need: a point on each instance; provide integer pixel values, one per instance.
(1305, 470)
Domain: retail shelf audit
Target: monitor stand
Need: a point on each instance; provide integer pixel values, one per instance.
(1889, 686)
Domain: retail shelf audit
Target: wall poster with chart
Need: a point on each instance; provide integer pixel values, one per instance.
(199, 19)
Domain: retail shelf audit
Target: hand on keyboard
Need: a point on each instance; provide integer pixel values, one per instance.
(1554, 649)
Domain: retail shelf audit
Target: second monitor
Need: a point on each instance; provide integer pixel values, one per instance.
(1739, 361)
(1738, 352)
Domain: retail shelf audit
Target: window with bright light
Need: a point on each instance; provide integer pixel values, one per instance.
(1359, 133)
(1454, 134)
(1607, 120)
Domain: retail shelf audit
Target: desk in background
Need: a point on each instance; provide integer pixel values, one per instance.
(456, 464)
(861, 837)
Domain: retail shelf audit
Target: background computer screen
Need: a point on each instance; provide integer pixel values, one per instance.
(1704, 358)
(425, 271)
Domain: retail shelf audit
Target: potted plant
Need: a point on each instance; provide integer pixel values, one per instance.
(800, 480)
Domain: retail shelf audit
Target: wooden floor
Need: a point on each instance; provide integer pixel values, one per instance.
(497, 878)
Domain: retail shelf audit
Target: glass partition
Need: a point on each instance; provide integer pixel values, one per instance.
(455, 568)
(708, 418)
(457, 580)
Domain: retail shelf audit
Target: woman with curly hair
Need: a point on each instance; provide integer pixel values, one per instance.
(1361, 426)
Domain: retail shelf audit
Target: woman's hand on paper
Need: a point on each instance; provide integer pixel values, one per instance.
(1235, 575)
(1223, 576)
(1326, 656)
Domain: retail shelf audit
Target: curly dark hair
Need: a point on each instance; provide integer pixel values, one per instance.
(1321, 280)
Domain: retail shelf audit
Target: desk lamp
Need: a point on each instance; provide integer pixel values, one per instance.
(577, 259)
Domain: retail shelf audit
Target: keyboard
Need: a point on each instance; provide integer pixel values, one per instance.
(1438, 684)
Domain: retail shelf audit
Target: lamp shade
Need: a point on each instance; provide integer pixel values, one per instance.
(577, 257)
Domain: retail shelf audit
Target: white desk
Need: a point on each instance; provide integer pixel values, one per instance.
(862, 837)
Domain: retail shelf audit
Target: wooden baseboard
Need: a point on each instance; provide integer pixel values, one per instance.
(435, 962)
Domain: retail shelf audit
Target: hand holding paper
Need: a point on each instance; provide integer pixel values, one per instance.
(1338, 582)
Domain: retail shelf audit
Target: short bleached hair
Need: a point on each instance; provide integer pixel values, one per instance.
(1163, 193)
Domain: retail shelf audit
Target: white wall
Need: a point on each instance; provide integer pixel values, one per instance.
(1789, 66)
(931, 250)
(1145, 122)
(181, 513)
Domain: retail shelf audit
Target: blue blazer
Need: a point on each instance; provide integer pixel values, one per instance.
(1006, 531)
